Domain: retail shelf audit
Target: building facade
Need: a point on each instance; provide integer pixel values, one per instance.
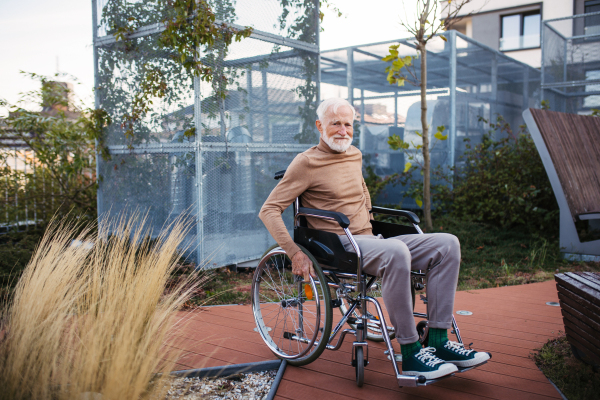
(514, 26)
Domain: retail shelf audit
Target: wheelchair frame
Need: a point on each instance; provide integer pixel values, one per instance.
(333, 279)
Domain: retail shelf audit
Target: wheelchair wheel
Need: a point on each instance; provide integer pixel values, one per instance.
(293, 317)
(373, 331)
(360, 366)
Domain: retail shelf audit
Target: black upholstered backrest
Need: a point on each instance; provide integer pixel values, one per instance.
(388, 230)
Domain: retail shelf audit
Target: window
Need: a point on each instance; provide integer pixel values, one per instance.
(592, 24)
(521, 31)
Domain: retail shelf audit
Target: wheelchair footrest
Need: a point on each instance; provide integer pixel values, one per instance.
(415, 381)
(432, 381)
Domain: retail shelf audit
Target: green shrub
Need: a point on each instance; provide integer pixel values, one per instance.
(504, 183)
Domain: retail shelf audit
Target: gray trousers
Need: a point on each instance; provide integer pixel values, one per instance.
(438, 254)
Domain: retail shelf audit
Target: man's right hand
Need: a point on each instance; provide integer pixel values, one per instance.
(302, 266)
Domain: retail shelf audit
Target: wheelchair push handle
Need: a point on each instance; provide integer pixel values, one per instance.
(412, 217)
(279, 174)
(338, 217)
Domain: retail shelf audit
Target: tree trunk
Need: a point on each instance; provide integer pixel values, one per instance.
(425, 128)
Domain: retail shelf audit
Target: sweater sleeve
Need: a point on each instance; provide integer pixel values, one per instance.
(367, 196)
(295, 182)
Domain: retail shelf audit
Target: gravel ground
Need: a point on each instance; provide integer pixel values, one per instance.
(253, 386)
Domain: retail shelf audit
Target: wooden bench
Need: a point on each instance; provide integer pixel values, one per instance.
(579, 294)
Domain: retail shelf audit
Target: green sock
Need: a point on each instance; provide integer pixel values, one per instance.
(409, 349)
(437, 337)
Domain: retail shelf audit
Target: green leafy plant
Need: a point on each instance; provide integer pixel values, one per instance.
(504, 182)
(60, 140)
(432, 17)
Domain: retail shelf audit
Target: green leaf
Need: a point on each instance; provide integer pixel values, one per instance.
(443, 38)
(439, 136)
(407, 167)
(419, 203)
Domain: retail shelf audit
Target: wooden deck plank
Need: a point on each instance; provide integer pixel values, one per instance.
(508, 321)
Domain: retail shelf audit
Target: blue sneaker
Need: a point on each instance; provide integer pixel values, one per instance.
(427, 364)
(455, 353)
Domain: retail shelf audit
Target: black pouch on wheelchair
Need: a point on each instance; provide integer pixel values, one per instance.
(327, 248)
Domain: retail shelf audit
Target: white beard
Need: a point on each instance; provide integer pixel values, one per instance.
(337, 146)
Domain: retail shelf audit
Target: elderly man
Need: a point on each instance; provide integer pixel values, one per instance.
(329, 177)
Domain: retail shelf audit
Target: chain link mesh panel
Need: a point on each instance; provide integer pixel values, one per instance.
(571, 63)
(208, 149)
(488, 84)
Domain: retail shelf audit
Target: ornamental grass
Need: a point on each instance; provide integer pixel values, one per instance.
(94, 312)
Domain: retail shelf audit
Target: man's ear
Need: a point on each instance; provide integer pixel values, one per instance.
(319, 126)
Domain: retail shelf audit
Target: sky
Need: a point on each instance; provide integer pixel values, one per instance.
(46, 37)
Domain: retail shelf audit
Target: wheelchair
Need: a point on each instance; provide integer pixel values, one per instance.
(295, 317)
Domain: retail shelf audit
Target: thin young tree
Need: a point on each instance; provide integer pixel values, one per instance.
(433, 17)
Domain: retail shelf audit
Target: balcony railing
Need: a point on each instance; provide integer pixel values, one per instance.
(519, 42)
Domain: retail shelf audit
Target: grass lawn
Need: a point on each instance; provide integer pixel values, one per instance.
(575, 379)
(493, 256)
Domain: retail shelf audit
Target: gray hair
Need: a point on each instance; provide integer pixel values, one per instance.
(333, 103)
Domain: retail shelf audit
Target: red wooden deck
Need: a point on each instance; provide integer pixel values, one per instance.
(510, 322)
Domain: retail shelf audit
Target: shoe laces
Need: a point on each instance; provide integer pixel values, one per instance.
(457, 348)
(426, 356)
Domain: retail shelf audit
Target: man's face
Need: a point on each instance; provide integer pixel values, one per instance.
(336, 129)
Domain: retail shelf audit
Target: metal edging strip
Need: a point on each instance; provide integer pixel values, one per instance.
(277, 381)
(226, 370)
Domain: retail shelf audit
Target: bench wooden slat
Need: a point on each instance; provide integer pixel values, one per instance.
(578, 342)
(579, 288)
(581, 278)
(566, 308)
(587, 332)
(581, 305)
(592, 276)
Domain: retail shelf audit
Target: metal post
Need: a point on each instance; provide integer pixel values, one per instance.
(542, 75)
(452, 93)
(35, 188)
(525, 88)
(494, 98)
(265, 90)
(199, 172)
(96, 101)
(250, 112)
(361, 139)
(25, 189)
(350, 75)
(396, 108)
(16, 192)
(318, 43)
(565, 61)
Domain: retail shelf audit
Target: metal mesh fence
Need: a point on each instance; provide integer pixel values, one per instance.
(571, 63)
(208, 149)
(468, 85)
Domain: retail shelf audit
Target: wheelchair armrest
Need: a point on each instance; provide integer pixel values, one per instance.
(333, 215)
(412, 217)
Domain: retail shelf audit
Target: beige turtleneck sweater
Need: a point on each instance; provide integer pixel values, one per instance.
(324, 179)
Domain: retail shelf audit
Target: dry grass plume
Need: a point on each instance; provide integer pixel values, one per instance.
(86, 320)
